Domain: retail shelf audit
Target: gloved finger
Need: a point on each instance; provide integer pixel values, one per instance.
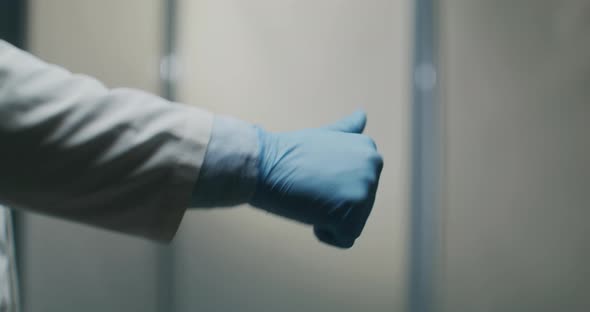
(354, 123)
(345, 233)
(359, 217)
(331, 237)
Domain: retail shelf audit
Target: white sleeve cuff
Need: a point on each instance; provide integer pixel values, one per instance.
(229, 173)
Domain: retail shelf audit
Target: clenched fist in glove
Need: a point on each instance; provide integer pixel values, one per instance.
(326, 177)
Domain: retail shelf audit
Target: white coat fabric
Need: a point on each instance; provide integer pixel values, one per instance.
(118, 159)
(8, 273)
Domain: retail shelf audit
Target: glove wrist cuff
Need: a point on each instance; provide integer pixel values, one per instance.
(229, 173)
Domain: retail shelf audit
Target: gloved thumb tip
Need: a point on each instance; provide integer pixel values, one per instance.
(353, 123)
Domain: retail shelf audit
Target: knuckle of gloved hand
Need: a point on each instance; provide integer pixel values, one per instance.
(357, 196)
(344, 231)
(373, 161)
(350, 234)
(346, 242)
(372, 171)
(369, 141)
(378, 160)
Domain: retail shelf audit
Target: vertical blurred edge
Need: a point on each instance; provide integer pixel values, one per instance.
(426, 171)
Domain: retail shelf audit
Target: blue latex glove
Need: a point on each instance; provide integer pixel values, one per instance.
(325, 177)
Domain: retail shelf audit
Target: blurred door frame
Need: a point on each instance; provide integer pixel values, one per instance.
(427, 159)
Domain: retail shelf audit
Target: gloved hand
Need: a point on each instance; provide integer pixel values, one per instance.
(326, 177)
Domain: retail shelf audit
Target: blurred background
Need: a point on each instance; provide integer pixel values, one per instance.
(481, 109)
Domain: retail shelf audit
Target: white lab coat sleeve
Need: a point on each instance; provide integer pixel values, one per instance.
(118, 159)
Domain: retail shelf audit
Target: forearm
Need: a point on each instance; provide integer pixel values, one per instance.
(120, 159)
(132, 162)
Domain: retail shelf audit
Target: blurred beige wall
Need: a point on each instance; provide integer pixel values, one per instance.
(516, 78)
(118, 42)
(286, 65)
(70, 267)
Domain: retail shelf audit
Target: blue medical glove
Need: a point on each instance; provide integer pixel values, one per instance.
(326, 177)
